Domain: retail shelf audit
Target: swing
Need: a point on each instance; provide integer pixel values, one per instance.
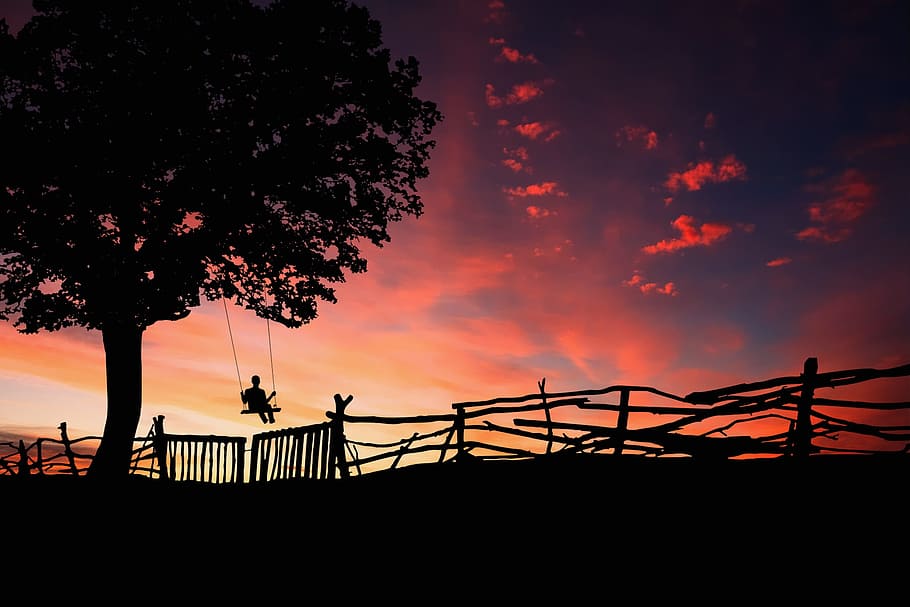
(246, 410)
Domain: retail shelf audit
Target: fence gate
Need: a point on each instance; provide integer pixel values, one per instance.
(191, 457)
(302, 452)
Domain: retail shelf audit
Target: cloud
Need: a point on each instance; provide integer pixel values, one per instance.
(545, 188)
(647, 287)
(519, 152)
(516, 159)
(520, 93)
(513, 164)
(691, 235)
(510, 54)
(780, 261)
(497, 12)
(533, 130)
(637, 133)
(514, 56)
(843, 200)
(884, 141)
(535, 212)
(728, 169)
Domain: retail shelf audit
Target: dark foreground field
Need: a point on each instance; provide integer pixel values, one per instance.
(547, 518)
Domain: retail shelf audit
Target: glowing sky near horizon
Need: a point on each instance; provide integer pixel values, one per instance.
(678, 195)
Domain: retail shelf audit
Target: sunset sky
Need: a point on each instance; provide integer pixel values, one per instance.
(682, 195)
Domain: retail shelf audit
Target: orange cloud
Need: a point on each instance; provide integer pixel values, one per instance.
(637, 133)
(844, 200)
(780, 261)
(690, 236)
(536, 189)
(728, 169)
(533, 130)
(646, 287)
(520, 93)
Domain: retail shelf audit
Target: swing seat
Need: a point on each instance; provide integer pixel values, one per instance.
(274, 410)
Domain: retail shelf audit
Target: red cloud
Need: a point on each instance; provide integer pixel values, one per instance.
(513, 56)
(642, 285)
(520, 93)
(880, 142)
(780, 261)
(844, 200)
(519, 152)
(728, 169)
(535, 212)
(497, 12)
(690, 235)
(536, 189)
(516, 159)
(637, 133)
(533, 130)
(510, 54)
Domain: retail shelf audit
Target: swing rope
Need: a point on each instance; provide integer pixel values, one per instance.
(268, 331)
(233, 349)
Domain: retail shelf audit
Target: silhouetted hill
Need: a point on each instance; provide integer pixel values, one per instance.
(479, 489)
(545, 521)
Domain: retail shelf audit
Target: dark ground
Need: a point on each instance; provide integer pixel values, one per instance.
(534, 524)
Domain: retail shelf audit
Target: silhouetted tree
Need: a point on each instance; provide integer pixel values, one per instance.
(157, 153)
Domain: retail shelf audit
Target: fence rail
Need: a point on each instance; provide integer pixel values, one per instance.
(780, 417)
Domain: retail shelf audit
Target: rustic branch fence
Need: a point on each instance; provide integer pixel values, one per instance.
(793, 421)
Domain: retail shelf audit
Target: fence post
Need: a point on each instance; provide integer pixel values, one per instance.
(67, 450)
(23, 459)
(159, 446)
(803, 445)
(542, 384)
(460, 453)
(338, 438)
(622, 422)
(39, 456)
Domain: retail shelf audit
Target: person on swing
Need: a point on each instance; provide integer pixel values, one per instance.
(255, 400)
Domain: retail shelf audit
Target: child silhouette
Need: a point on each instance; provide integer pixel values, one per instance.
(255, 400)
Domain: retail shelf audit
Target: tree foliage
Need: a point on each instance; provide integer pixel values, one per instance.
(158, 153)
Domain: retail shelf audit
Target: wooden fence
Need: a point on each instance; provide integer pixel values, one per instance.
(715, 424)
(793, 418)
(302, 452)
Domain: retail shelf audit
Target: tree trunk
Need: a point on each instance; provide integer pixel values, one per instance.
(123, 366)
